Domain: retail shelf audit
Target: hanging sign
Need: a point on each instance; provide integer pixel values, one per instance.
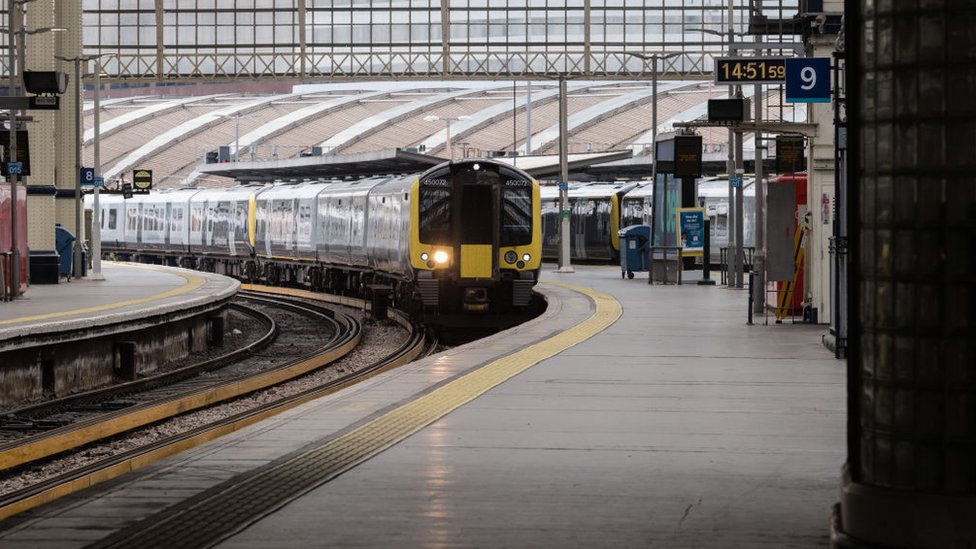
(142, 181)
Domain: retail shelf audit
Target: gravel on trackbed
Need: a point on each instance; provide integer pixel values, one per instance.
(380, 339)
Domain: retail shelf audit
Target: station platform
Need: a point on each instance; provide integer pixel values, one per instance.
(627, 415)
(128, 292)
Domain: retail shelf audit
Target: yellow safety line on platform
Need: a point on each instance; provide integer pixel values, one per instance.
(345, 452)
(365, 442)
(396, 425)
(192, 283)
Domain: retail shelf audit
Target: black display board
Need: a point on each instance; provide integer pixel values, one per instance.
(687, 156)
(23, 150)
(789, 154)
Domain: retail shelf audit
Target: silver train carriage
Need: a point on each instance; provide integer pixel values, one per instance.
(594, 220)
(461, 237)
(592, 206)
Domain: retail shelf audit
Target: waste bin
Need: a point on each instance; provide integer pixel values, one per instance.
(64, 243)
(634, 249)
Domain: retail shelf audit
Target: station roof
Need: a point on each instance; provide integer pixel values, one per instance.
(367, 128)
(387, 161)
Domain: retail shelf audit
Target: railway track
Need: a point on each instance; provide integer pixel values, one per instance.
(109, 467)
(46, 429)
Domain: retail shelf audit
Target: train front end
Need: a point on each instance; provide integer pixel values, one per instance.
(475, 243)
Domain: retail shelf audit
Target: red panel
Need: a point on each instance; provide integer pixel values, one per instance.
(6, 230)
(800, 195)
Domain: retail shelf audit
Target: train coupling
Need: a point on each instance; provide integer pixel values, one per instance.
(476, 299)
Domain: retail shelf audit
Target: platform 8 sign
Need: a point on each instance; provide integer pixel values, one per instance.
(691, 230)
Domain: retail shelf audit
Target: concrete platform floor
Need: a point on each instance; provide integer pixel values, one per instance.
(678, 426)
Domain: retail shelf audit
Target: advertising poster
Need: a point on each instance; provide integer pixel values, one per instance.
(691, 230)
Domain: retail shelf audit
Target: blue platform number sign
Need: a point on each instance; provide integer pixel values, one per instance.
(98, 182)
(15, 168)
(736, 181)
(808, 80)
(87, 176)
(691, 230)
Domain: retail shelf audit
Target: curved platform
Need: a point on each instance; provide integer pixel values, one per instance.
(674, 424)
(71, 336)
(130, 292)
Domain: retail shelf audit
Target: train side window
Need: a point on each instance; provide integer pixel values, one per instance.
(113, 219)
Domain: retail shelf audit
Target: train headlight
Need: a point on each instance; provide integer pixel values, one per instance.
(440, 256)
(511, 257)
(526, 257)
(424, 256)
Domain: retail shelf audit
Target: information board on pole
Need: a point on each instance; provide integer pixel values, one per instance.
(691, 230)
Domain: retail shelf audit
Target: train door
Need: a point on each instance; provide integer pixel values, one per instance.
(550, 227)
(578, 221)
(476, 225)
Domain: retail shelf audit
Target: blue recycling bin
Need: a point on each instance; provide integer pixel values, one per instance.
(635, 249)
(64, 241)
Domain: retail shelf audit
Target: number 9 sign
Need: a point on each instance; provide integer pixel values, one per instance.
(808, 80)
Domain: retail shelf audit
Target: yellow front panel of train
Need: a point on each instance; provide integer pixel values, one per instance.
(476, 260)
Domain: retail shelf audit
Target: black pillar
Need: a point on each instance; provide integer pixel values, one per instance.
(910, 478)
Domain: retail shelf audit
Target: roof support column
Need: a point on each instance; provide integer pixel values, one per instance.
(159, 40)
(68, 16)
(302, 39)
(445, 37)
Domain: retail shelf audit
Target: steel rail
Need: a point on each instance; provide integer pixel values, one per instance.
(151, 382)
(69, 437)
(89, 475)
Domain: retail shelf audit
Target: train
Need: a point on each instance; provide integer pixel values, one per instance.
(462, 238)
(598, 210)
(595, 219)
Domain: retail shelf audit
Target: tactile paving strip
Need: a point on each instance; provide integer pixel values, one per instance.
(243, 501)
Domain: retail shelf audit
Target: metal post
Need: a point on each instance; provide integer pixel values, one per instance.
(730, 224)
(707, 257)
(564, 226)
(759, 302)
(654, 194)
(78, 267)
(12, 157)
(528, 118)
(450, 146)
(96, 273)
(739, 251)
(237, 138)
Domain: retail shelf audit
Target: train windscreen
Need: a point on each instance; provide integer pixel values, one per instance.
(435, 211)
(516, 213)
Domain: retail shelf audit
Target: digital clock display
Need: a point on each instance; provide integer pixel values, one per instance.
(739, 70)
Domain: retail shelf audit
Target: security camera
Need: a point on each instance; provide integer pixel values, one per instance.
(820, 22)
